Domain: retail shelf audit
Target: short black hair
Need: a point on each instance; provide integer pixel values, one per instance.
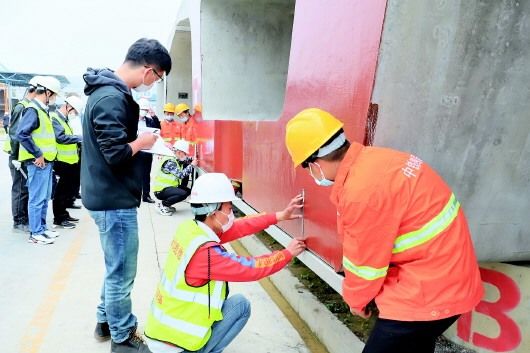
(149, 52)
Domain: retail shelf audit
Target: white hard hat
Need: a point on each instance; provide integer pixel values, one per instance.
(182, 145)
(76, 103)
(34, 81)
(50, 83)
(212, 188)
(144, 104)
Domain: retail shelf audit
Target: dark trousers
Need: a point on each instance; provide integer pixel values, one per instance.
(19, 194)
(147, 161)
(391, 336)
(66, 188)
(172, 195)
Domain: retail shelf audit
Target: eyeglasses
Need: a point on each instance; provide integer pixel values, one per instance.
(160, 78)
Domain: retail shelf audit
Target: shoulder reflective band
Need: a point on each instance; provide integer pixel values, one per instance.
(437, 225)
(366, 272)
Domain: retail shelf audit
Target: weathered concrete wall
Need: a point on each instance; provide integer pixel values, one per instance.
(245, 54)
(452, 86)
(500, 322)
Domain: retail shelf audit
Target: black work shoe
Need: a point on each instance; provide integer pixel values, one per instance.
(71, 219)
(133, 344)
(148, 199)
(74, 206)
(64, 225)
(102, 331)
(21, 227)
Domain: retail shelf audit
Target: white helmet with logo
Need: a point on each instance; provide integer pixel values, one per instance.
(34, 81)
(50, 83)
(182, 145)
(212, 188)
(76, 103)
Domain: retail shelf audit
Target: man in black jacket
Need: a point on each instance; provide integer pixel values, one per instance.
(111, 180)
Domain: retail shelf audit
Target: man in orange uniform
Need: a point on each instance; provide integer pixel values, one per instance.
(406, 239)
(170, 128)
(187, 123)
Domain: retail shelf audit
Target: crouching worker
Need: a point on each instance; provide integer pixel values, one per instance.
(191, 310)
(171, 181)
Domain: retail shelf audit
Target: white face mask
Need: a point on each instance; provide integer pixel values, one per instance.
(183, 119)
(227, 226)
(169, 117)
(323, 181)
(72, 116)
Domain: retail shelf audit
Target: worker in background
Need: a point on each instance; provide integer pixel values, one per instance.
(5, 121)
(187, 129)
(406, 241)
(169, 127)
(146, 159)
(170, 183)
(66, 167)
(19, 189)
(111, 180)
(38, 150)
(190, 309)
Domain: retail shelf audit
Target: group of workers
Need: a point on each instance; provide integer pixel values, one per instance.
(405, 237)
(44, 159)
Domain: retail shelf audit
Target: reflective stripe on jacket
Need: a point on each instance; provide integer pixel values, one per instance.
(43, 137)
(181, 314)
(406, 241)
(66, 153)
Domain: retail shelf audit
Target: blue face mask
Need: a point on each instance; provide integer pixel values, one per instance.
(323, 181)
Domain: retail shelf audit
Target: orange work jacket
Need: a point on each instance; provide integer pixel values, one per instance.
(406, 241)
(170, 131)
(188, 131)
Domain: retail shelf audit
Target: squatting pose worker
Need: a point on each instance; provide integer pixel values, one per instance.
(191, 310)
(406, 240)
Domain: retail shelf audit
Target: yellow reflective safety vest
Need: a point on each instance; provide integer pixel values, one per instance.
(66, 153)
(181, 314)
(164, 180)
(7, 144)
(43, 137)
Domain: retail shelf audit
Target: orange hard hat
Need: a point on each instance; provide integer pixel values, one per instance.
(309, 130)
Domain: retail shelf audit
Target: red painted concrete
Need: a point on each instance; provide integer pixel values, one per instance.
(332, 66)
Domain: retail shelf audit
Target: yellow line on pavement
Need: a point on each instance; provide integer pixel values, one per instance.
(312, 342)
(38, 327)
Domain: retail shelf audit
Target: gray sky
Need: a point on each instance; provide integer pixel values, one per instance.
(67, 36)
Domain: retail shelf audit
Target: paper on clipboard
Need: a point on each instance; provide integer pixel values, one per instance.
(160, 148)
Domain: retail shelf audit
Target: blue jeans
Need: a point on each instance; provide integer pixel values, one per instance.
(236, 311)
(118, 232)
(40, 191)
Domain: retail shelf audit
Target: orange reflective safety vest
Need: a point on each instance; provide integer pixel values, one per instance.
(189, 131)
(170, 131)
(406, 241)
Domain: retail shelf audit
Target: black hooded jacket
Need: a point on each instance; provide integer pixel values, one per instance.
(111, 177)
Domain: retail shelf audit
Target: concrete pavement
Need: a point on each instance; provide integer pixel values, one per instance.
(49, 293)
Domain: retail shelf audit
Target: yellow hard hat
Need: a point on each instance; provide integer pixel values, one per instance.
(307, 131)
(181, 107)
(169, 107)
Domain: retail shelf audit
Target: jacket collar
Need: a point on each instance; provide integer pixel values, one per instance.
(343, 170)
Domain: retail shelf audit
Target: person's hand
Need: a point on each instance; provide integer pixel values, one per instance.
(39, 162)
(365, 313)
(146, 140)
(288, 212)
(194, 162)
(296, 247)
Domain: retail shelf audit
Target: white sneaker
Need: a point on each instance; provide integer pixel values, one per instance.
(39, 239)
(51, 233)
(163, 210)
